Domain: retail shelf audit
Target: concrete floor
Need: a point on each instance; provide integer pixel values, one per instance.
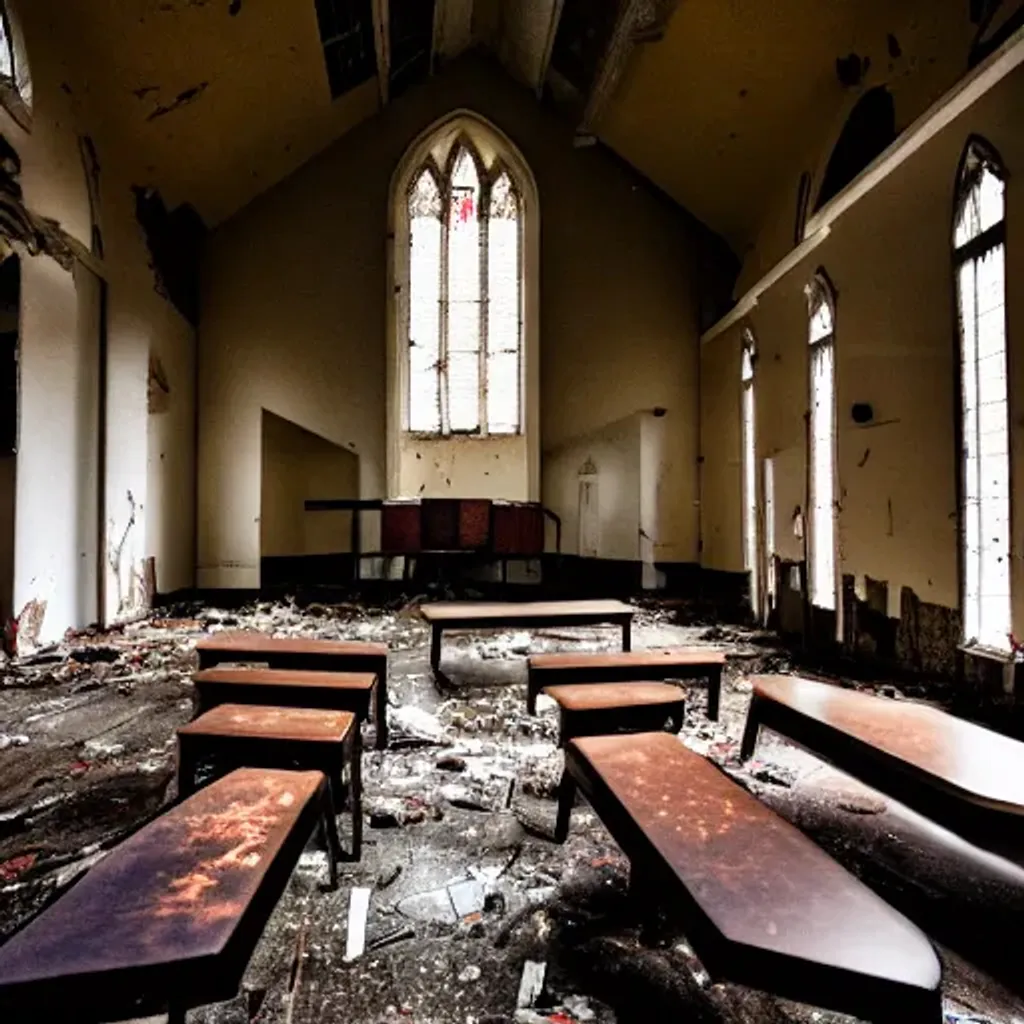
(466, 887)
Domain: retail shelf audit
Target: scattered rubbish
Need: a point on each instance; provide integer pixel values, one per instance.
(452, 763)
(101, 748)
(416, 723)
(390, 938)
(470, 973)
(388, 875)
(355, 937)
(531, 984)
(12, 741)
(771, 774)
(78, 769)
(12, 869)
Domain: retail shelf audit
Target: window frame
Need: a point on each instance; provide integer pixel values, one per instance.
(973, 250)
(487, 178)
(16, 88)
(820, 292)
(749, 474)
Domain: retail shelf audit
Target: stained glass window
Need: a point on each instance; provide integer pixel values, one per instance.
(465, 299)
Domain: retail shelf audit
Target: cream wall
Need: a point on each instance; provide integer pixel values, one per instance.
(298, 466)
(295, 302)
(889, 258)
(149, 510)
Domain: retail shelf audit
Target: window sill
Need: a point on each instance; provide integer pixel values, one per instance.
(415, 436)
(993, 654)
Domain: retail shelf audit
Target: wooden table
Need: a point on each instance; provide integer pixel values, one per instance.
(596, 709)
(761, 904)
(523, 615)
(961, 775)
(279, 737)
(619, 667)
(169, 919)
(303, 654)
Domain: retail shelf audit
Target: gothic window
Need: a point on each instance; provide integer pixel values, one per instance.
(465, 299)
(979, 240)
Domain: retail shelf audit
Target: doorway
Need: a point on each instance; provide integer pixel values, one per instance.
(10, 297)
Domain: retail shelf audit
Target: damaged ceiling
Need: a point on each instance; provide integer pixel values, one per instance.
(720, 104)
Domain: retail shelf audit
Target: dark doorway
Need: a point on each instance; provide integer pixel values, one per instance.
(10, 292)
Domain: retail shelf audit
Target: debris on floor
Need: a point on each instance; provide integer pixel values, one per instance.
(462, 910)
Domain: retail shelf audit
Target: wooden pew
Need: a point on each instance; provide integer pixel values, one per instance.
(760, 903)
(604, 708)
(625, 666)
(523, 615)
(253, 736)
(961, 775)
(169, 919)
(304, 655)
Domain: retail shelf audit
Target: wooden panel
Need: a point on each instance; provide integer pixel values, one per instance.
(440, 524)
(474, 524)
(400, 528)
(518, 529)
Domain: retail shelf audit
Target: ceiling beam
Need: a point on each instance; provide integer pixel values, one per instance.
(640, 22)
(382, 43)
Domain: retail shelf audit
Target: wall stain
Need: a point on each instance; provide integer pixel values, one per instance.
(183, 99)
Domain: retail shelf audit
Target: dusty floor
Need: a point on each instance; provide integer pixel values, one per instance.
(465, 886)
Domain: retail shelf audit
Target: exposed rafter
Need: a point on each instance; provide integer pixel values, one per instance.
(640, 22)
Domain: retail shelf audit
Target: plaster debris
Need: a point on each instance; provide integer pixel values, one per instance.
(355, 936)
(531, 984)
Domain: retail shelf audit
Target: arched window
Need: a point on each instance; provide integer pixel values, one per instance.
(750, 551)
(465, 320)
(822, 443)
(14, 77)
(979, 239)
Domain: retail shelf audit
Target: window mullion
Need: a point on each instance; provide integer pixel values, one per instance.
(485, 298)
(442, 361)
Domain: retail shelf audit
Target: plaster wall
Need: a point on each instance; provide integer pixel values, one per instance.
(896, 348)
(298, 466)
(59, 544)
(295, 305)
(610, 459)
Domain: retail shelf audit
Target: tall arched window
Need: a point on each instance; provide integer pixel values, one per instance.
(465, 317)
(15, 83)
(750, 550)
(979, 239)
(822, 444)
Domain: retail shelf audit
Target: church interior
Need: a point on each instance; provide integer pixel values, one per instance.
(507, 511)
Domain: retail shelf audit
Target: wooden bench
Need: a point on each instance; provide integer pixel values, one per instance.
(303, 654)
(169, 919)
(620, 667)
(279, 737)
(598, 709)
(761, 904)
(961, 775)
(523, 615)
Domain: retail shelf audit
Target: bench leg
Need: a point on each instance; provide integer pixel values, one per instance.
(355, 797)
(435, 647)
(531, 696)
(751, 730)
(186, 771)
(566, 799)
(714, 694)
(627, 635)
(176, 1013)
(675, 720)
(328, 829)
(380, 713)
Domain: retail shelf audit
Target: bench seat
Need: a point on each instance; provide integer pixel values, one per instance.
(762, 905)
(279, 737)
(307, 654)
(334, 691)
(596, 709)
(961, 775)
(523, 615)
(623, 666)
(169, 919)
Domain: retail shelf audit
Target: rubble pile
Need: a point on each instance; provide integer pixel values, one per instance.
(461, 911)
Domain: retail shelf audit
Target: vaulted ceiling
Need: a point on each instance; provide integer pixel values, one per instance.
(717, 101)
